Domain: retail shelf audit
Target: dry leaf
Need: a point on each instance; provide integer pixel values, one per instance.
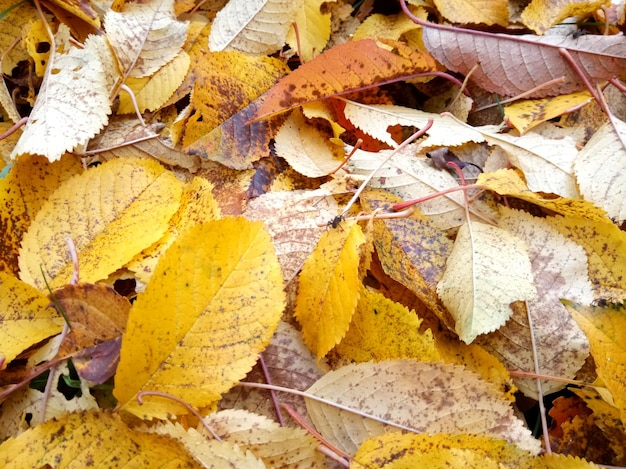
(25, 318)
(73, 102)
(91, 438)
(254, 27)
(508, 65)
(145, 36)
(601, 169)
(313, 30)
(328, 288)
(487, 270)
(339, 70)
(120, 196)
(540, 15)
(424, 397)
(212, 305)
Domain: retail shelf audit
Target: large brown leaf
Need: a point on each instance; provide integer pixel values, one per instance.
(510, 65)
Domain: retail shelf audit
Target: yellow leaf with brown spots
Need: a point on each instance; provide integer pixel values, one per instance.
(110, 212)
(212, 304)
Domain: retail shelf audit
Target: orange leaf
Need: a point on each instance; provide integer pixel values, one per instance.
(343, 69)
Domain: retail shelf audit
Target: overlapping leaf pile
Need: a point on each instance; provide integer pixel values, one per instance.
(179, 201)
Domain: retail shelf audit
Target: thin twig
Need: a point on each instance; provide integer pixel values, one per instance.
(268, 380)
(134, 101)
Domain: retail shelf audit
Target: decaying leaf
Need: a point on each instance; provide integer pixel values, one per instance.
(255, 27)
(487, 270)
(73, 102)
(119, 196)
(313, 30)
(328, 288)
(212, 305)
(422, 397)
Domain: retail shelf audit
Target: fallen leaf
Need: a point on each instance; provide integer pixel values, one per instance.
(73, 101)
(487, 270)
(145, 36)
(487, 12)
(254, 27)
(340, 70)
(313, 30)
(604, 327)
(119, 196)
(328, 288)
(540, 15)
(423, 397)
(25, 319)
(382, 329)
(212, 305)
(88, 438)
(600, 172)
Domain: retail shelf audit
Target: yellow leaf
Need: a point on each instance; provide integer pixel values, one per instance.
(154, 91)
(487, 270)
(599, 169)
(111, 213)
(145, 36)
(487, 12)
(212, 305)
(524, 115)
(387, 26)
(423, 397)
(541, 15)
(91, 439)
(328, 288)
(382, 329)
(306, 148)
(23, 191)
(73, 102)
(225, 83)
(397, 450)
(254, 27)
(313, 30)
(14, 16)
(37, 34)
(605, 328)
(197, 205)
(25, 318)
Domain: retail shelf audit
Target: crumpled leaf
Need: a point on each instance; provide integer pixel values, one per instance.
(212, 305)
(605, 327)
(73, 102)
(313, 30)
(424, 397)
(487, 270)
(601, 169)
(145, 36)
(342, 69)
(91, 438)
(328, 288)
(602, 58)
(253, 26)
(25, 318)
(120, 196)
(560, 271)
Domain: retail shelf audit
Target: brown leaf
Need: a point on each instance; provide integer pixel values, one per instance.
(510, 65)
(343, 69)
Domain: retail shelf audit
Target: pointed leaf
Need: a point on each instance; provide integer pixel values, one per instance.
(540, 15)
(328, 288)
(423, 397)
(73, 102)
(313, 30)
(487, 270)
(342, 69)
(488, 12)
(254, 27)
(106, 211)
(212, 305)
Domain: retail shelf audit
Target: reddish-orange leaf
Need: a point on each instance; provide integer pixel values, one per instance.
(343, 69)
